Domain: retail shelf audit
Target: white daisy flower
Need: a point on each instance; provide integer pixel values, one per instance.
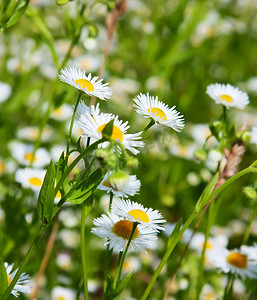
(86, 83)
(5, 91)
(92, 124)
(30, 178)
(62, 113)
(227, 95)
(23, 153)
(118, 231)
(160, 112)
(62, 293)
(23, 285)
(122, 185)
(250, 251)
(137, 212)
(198, 240)
(31, 133)
(232, 261)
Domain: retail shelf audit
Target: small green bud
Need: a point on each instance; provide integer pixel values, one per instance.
(131, 162)
(102, 154)
(216, 128)
(61, 2)
(250, 192)
(111, 161)
(93, 31)
(246, 136)
(200, 155)
(118, 180)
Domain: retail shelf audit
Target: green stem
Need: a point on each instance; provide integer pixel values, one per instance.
(248, 230)
(71, 126)
(228, 287)
(117, 269)
(25, 260)
(174, 242)
(85, 212)
(125, 253)
(110, 203)
(149, 125)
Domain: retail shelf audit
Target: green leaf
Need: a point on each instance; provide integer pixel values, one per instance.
(81, 190)
(46, 196)
(3, 278)
(18, 13)
(60, 169)
(123, 284)
(175, 232)
(205, 196)
(107, 131)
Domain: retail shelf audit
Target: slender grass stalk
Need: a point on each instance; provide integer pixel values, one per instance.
(110, 202)
(248, 229)
(25, 260)
(85, 212)
(71, 125)
(228, 287)
(125, 253)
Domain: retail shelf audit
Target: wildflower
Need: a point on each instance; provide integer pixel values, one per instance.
(61, 293)
(23, 284)
(62, 113)
(250, 251)
(219, 241)
(23, 153)
(233, 261)
(86, 83)
(30, 178)
(254, 135)
(120, 183)
(93, 123)
(118, 231)
(227, 95)
(31, 133)
(137, 212)
(5, 91)
(151, 107)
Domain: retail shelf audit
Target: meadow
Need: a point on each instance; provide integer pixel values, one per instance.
(128, 149)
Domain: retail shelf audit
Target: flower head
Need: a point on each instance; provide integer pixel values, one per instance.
(137, 212)
(227, 95)
(151, 107)
(121, 184)
(23, 284)
(118, 231)
(30, 178)
(234, 261)
(93, 123)
(86, 83)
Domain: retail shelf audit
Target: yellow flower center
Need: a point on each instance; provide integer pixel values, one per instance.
(208, 245)
(116, 132)
(58, 195)
(9, 279)
(123, 229)
(30, 157)
(85, 84)
(237, 259)
(157, 113)
(58, 112)
(139, 215)
(60, 298)
(226, 98)
(35, 181)
(2, 167)
(106, 183)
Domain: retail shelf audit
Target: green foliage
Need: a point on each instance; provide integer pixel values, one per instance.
(46, 196)
(3, 278)
(123, 284)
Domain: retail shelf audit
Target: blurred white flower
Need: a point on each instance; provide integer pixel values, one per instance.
(5, 91)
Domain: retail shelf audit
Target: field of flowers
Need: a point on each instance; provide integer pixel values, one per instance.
(128, 149)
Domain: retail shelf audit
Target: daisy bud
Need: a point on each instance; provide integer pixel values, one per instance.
(118, 180)
(105, 157)
(250, 192)
(200, 155)
(246, 136)
(216, 128)
(61, 2)
(131, 162)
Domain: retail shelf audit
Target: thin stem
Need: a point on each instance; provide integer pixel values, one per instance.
(229, 286)
(117, 269)
(110, 203)
(71, 125)
(85, 211)
(149, 125)
(45, 260)
(125, 252)
(25, 260)
(248, 229)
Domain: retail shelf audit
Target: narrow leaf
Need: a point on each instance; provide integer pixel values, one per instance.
(123, 284)
(3, 278)
(205, 196)
(107, 131)
(18, 13)
(175, 232)
(46, 196)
